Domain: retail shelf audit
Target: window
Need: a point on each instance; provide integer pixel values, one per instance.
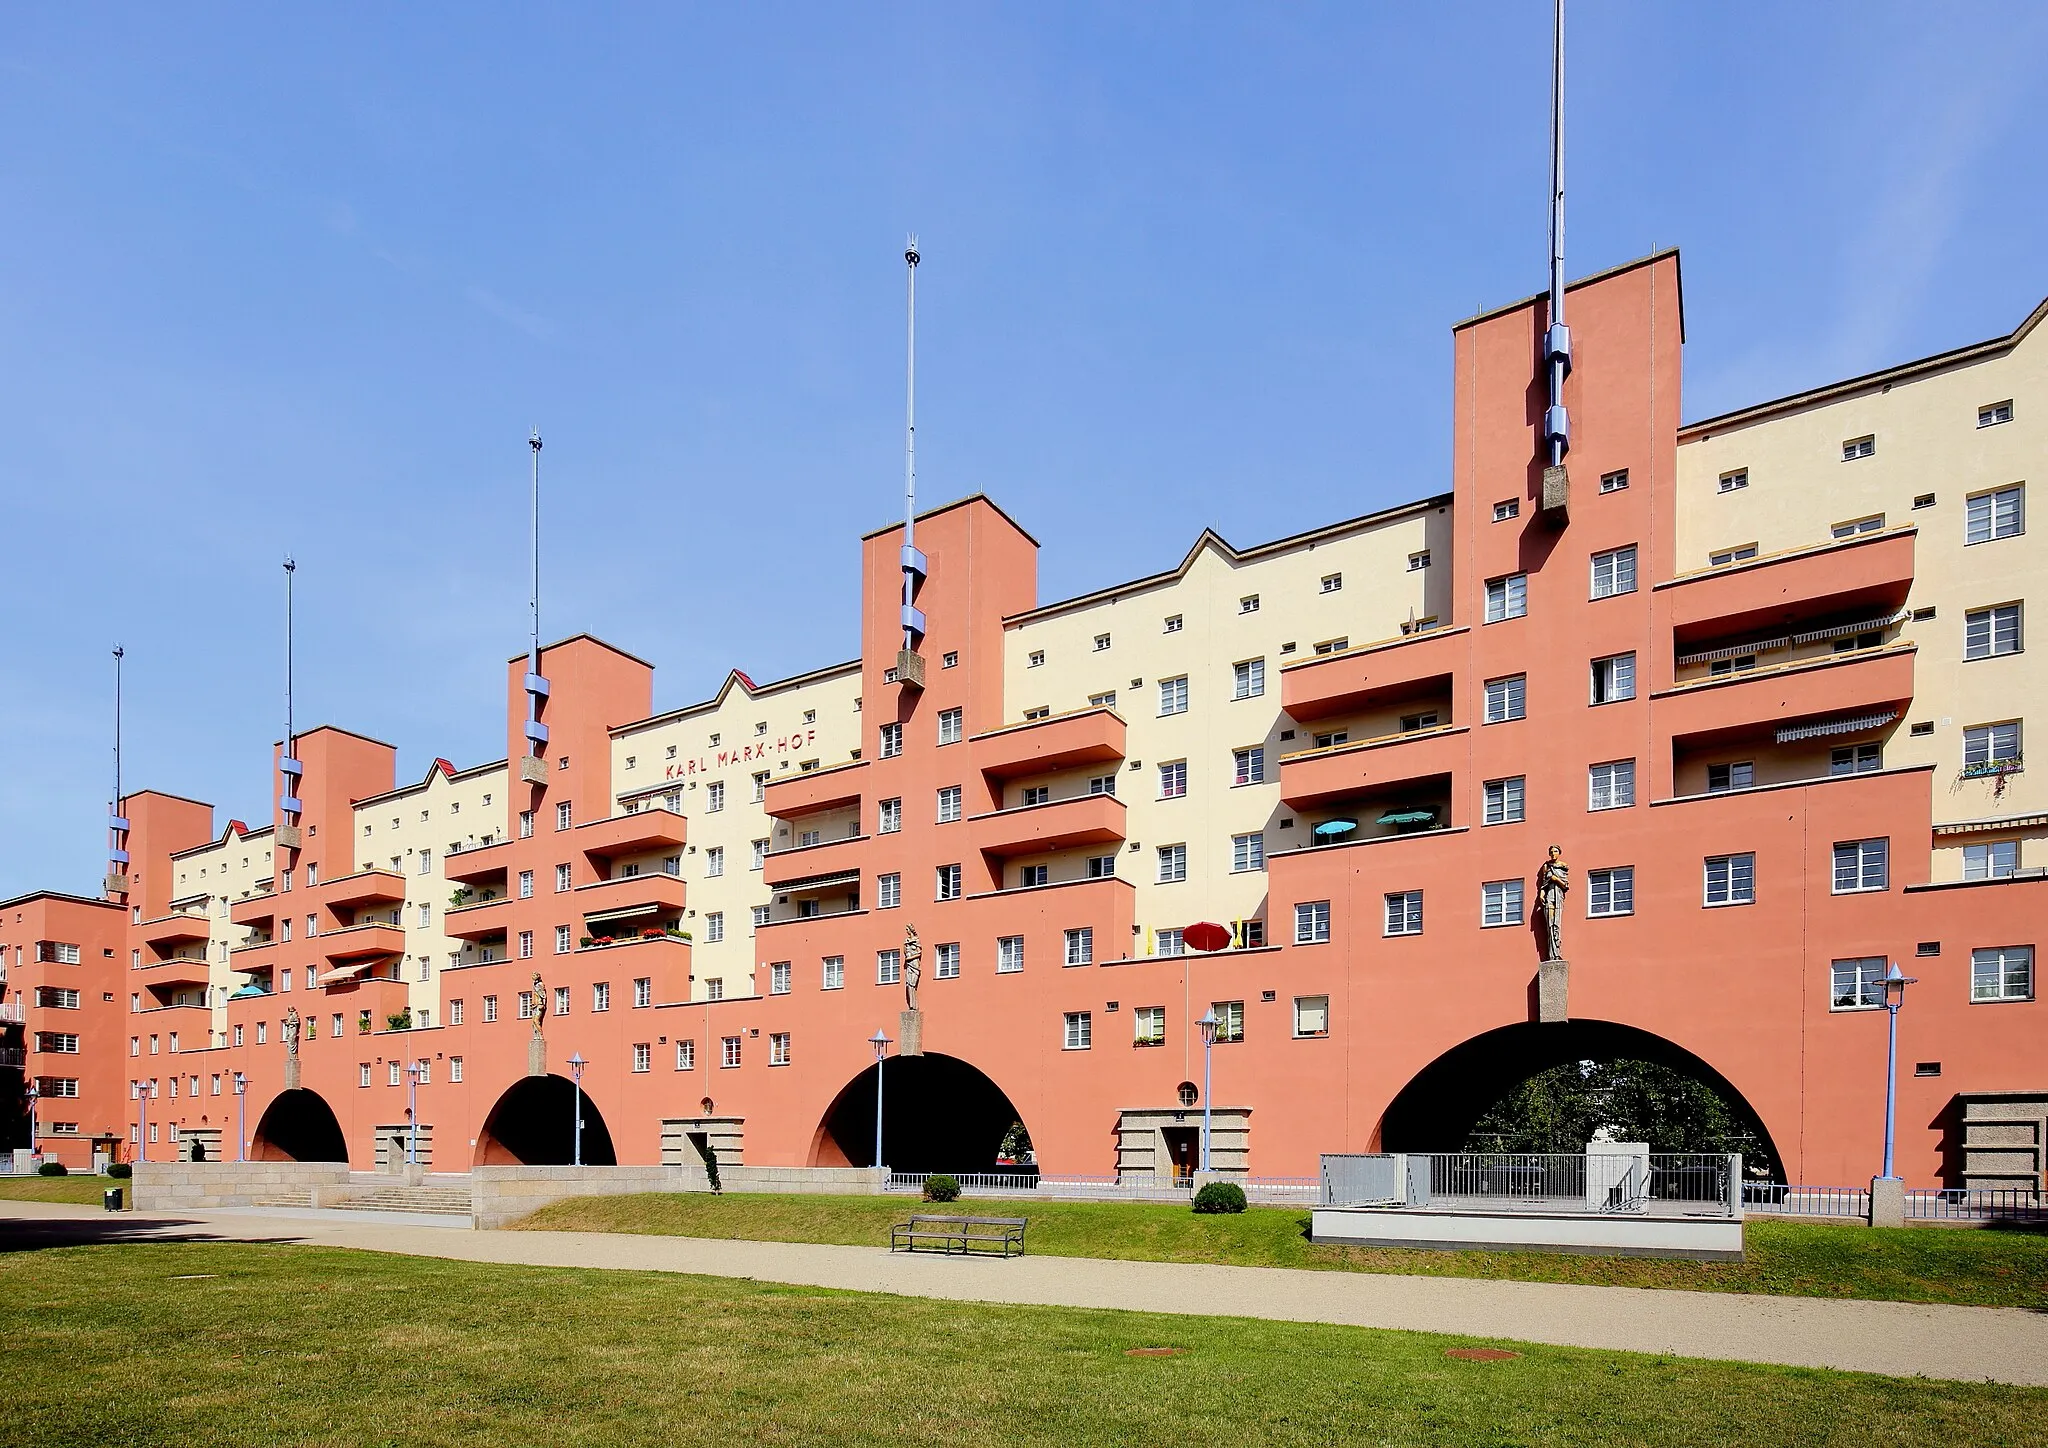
(1248, 852)
(1030, 875)
(946, 961)
(889, 967)
(1249, 765)
(1248, 679)
(426, 916)
(714, 861)
(363, 1074)
(526, 824)
(1507, 699)
(1248, 604)
(1332, 582)
(1611, 891)
(759, 855)
(1081, 945)
(1721, 778)
(1404, 912)
(1311, 1015)
(1740, 554)
(1503, 801)
(1721, 668)
(1861, 865)
(526, 945)
(1923, 500)
(564, 815)
(889, 818)
(1169, 942)
(1101, 642)
(1507, 508)
(950, 659)
(1105, 700)
(686, 1055)
(1997, 860)
(1043, 711)
(1173, 779)
(888, 891)
(643, 992)
(2000, 514)
(1312, 922)
(1102, 867)
(1333, 646)
(454, 1016)
(1035, 659)
(1418, 560)
(1614, 678)
(778, 1048)
(1036, 794)
(1856, 759)
(65, 1043)
(2002, 973)
(1500, 902)
(892, 740)
(1173, 696)
(1507, 597)
(1991, 748)
(714, 927)
(1412, 723)
(1614, 482)
(1856, 527)
(1614, 572)
(490, 1008)
(1148, 1026)
(1850, 643)
(1173, 863)
(833, 976)
(563, 878)
(1992, 414)
(950, 731)
(948, 882)
(1611, 785)
(1080, 1031)
(1009, 954)
(761, 784)
(1859, 447)
(949, 804)
(729, 1051)
(601, 995)
(1856, 985)
(57, 997)
(1172, 623)
(714, 796)
(1102, 784)
(1731, 879)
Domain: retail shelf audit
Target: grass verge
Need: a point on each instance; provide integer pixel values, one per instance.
(1796, 1259)
(224, 1343)
(83, 1189)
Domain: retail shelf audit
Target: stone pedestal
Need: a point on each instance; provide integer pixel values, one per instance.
(536, 1056)
(533, 769)
(291, 1073)
(910, 1033)
(1552, 979)
(1887, 1202)
(1555, 500)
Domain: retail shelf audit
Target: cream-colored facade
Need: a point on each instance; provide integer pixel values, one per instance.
(1908, 448)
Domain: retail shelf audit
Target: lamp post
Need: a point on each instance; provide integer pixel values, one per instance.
(881, 1044)
(1208, 1025)
(33, 1096)
(576, 1065)
(143, 1091)
(1895, 983)
(241, 1117)
(412, 1114)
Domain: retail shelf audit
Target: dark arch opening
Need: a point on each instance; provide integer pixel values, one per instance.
(938, 1114)
(298, 1125)
(1438, 1110)
(534, 1124)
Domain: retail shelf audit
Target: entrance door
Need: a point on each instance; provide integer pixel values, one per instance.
(1183, 1149)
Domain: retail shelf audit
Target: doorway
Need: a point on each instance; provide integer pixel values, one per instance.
(1183, 1150)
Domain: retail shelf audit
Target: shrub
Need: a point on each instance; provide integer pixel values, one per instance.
(120, 1170)
(53, 1168)
(1219, 1197)
(400, 1020)
(941, 1188)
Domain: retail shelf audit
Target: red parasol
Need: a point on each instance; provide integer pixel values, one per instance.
(1206, 935)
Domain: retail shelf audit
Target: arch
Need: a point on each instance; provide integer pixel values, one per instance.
(1437, 1110)
(298, 1125)
(534, 1124)
(939, 1113)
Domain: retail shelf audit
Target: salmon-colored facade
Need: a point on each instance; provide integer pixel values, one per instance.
(1565, 677)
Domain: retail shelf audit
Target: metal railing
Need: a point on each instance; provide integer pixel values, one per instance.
(1134, 1186)
(1778, 1199)
(1977, 1204)
(1668, 1183)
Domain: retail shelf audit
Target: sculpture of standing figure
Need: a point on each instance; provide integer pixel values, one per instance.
(1553, 883)
(290, 1029)
(540, 1003)
(912, 954)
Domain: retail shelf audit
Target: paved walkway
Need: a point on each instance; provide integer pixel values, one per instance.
(1996, 1344)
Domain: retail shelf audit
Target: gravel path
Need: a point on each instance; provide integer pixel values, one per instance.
(1985, 1344)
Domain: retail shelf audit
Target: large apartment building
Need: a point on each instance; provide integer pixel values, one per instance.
(1759, 676)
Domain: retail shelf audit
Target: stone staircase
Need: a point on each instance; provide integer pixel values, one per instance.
(283, 1199)
(441, 1201)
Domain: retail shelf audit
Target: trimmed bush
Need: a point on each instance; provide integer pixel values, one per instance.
(53, 1168)
(120, 1170)
(941, 1188)
(1219, 1197)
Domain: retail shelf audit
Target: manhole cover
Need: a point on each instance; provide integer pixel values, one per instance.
(1152, 1351)
(1480, 1354)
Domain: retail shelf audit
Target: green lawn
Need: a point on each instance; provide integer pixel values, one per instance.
(222, 1343)
(61, 1189)
(1917, 1264)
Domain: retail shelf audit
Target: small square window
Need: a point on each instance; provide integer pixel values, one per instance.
(1733, 481)
(1614, 482)
(1859, 447)
(950, 659)
(1332, 582)
(1507, 508)
(1248, 604)
(1034, 659)
(1101, 642)
(1311, 1016)
(1995, 413)
(1173, 624)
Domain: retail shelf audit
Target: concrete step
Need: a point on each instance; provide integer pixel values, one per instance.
(446, 1201)
(284, 1199)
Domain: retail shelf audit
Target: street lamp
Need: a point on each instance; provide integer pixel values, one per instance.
(412, 1114)
(241, 1117)
(1895, 984)
(33, 1096)
(1208, 1025)
(881, 1044)
(576, 1065)
(143, 1091)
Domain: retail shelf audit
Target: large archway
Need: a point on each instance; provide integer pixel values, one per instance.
(1439, 1108)
(938, 1114)
(534, 1124)
(298, 1125)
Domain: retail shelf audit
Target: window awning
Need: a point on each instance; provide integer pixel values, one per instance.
(2008, 822)
(631, 912)
(1408, 817)
(1852, 725)
(1785, 641)
(339, 973)
(820, 882)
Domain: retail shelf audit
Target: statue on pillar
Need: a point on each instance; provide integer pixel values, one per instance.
(913, 953)
(540, 1003)
(290, 1031)
(1553, 883)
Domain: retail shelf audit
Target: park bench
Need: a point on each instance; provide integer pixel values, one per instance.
(966, 1235)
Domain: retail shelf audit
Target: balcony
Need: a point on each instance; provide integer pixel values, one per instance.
(185, 1016)
(176, 929)
(1870, 574)
(840, 857)
(185, 970)
(360, 942)
(256, 913)
(812, 790)
(487, 862)
(1316, 777)
(1373, 675)
(630, 834)
(1060, 824)
(480, 920)
(629, 897)
(1063, 741)
(366, 887)
(1730, 707)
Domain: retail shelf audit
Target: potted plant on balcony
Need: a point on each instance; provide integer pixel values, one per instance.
(400, 1020)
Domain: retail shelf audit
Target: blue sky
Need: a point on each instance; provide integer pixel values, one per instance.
(287, 279)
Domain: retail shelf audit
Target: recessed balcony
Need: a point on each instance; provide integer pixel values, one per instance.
(631, 834)
(843, 856)
(1373, 675)
(650, 893)
(811, 790)
(1736, 705)
(365, 887)
(171, 931)
(478, 919)
(257, 912)
(358, 942)
(1316, 777)
(1060, 824)
(466, 867)
(1870, 574)
(178, 970)
(1041, 746)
